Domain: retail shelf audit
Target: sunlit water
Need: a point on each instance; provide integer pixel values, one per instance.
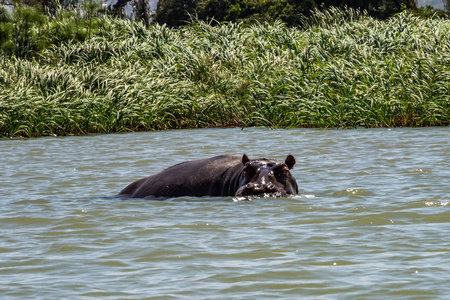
(372, 220)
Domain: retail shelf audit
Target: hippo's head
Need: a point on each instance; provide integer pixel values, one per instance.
(267, 177)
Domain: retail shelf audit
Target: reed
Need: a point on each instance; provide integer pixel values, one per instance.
(344, 69)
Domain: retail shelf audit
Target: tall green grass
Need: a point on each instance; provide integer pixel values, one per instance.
(344, 70)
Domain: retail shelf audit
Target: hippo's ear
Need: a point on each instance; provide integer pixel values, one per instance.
(290, 161)
(245, 159)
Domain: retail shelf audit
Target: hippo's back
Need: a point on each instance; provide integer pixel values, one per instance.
(216, 176)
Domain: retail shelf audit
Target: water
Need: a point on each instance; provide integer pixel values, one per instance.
(372, 220)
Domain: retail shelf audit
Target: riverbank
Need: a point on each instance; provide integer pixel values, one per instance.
(345, 70)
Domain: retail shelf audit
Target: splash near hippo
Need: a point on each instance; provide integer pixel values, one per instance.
(223, 175)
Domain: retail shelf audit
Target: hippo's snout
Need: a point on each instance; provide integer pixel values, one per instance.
(264, 182)
(253, 190)
(256, 188)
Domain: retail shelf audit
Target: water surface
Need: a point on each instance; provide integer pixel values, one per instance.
(372, 219)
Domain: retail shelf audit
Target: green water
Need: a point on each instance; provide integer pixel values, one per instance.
(371, 222)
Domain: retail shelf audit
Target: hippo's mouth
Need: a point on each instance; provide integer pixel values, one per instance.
(261, 191)
(249, 196)
(259, 196)
(272, 195)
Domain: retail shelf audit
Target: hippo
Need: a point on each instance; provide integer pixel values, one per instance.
(223, 175)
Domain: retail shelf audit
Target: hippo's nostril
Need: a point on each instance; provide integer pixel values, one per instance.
(258, 187)
(270, 188)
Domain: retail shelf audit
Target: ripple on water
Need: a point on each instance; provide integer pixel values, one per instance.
(352, 193)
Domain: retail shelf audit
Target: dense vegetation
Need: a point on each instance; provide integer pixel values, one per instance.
(344, 69)
(177, 12)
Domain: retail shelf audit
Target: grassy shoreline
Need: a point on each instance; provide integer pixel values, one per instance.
(345, 70)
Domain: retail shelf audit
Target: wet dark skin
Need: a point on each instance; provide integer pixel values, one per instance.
(223, 175)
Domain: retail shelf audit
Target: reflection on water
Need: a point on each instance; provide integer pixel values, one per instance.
(371, 221)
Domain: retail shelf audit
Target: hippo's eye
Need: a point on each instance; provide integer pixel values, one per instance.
(249, 171)
(283, 173)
